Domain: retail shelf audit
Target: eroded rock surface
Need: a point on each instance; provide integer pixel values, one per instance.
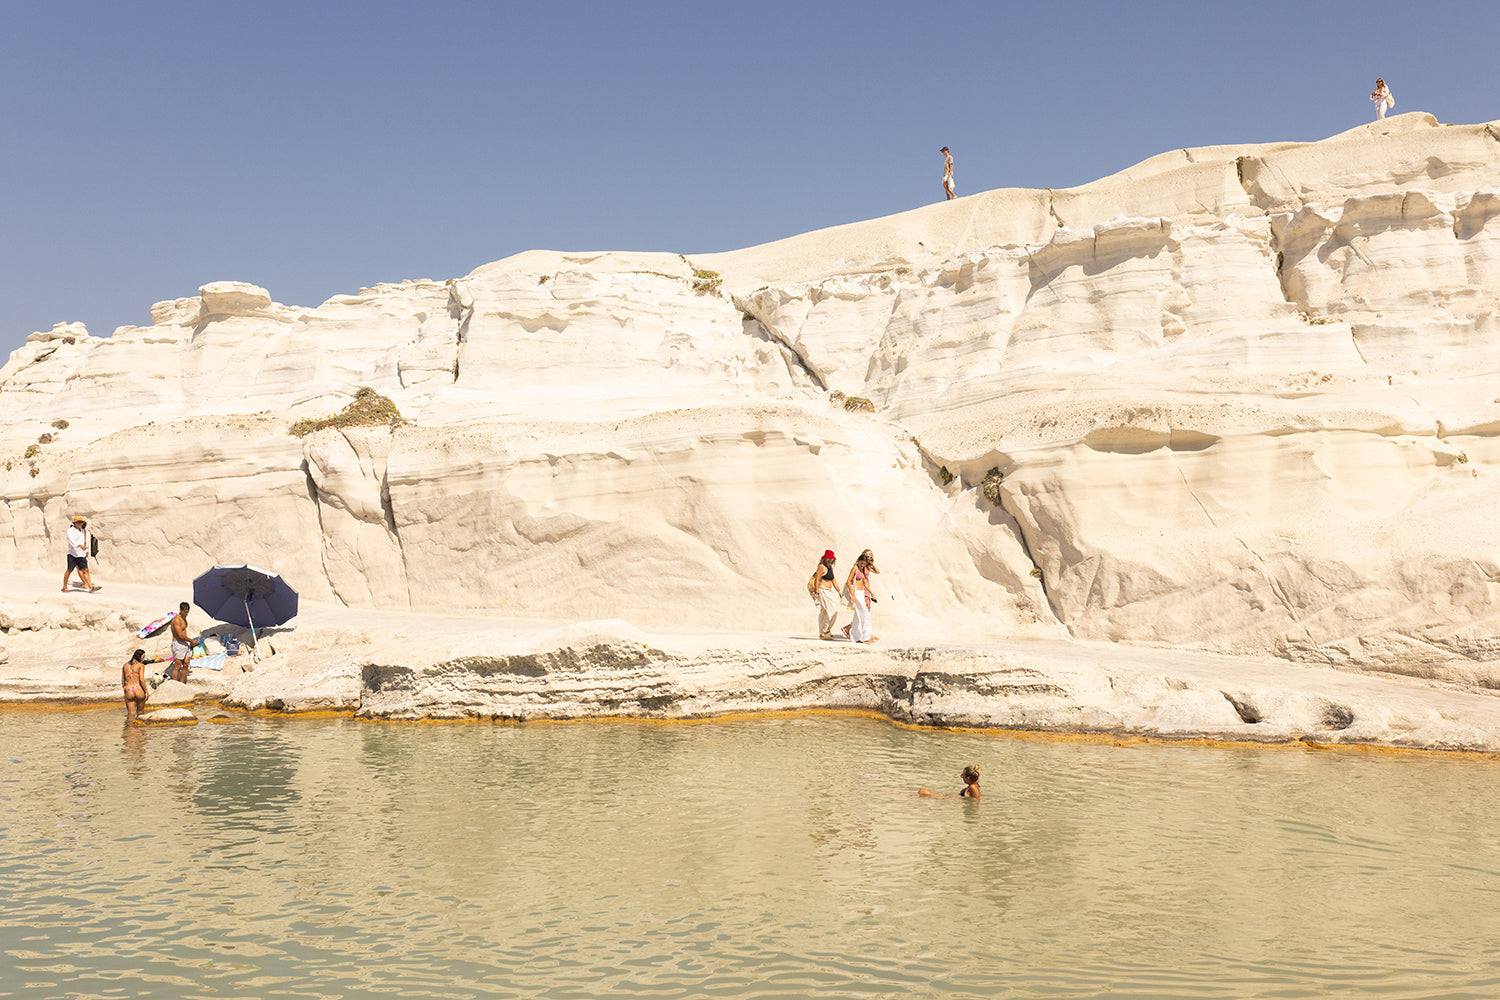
(1234, 398)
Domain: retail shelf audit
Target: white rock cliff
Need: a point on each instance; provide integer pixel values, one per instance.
(1241, 399)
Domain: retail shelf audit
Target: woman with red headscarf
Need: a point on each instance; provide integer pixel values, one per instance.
(824, 589)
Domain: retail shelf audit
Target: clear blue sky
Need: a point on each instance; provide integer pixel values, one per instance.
(313, 147)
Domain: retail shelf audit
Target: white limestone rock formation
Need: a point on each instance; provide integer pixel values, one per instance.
(170, 693)
(1233, 398)
(167, 716)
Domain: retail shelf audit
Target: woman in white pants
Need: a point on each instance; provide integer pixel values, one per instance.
(1381, 95)
(824, 588)
(857, 590)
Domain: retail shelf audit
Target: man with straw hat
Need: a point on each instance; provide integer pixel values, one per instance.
(78, 555)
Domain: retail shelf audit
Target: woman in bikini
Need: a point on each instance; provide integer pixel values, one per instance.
(857, 589)
(971, 786)
(824, 588)
(132, 679)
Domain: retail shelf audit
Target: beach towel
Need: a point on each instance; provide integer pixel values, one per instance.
(214, 661)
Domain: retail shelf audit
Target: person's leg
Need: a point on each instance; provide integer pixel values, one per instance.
(83, 574)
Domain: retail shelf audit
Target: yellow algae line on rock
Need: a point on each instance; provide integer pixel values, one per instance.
(1032, 735)
(289, 713)
(70, 705)
(1196, 742)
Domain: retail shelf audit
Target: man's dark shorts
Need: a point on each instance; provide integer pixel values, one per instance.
(77, 562)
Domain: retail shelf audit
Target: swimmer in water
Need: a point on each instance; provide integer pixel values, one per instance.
(133, 680)
(971, 786)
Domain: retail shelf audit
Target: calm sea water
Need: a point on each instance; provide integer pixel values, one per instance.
(782, 857)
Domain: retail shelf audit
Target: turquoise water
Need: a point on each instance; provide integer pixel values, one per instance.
(781, 857)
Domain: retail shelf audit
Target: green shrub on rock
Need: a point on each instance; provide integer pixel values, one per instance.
(369, 409)
(991, 486)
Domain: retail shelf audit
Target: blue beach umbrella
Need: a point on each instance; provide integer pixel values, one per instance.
(245, 595)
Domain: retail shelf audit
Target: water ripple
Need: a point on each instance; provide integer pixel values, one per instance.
(746, 859)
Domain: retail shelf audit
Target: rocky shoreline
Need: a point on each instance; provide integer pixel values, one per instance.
(421, 668)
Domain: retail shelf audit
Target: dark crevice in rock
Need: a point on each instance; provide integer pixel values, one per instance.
(1337, 716)
(757, 328)
(1243, 709)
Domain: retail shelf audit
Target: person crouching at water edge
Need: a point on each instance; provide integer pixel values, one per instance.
(857, 592)
(971, 786)
(824, 588)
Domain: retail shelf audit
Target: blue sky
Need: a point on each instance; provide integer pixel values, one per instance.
(150, 147)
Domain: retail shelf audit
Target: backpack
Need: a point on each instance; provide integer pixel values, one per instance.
(93, 544)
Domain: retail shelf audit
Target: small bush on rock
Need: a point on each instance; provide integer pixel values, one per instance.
(836, 398)
(991, 486)
(32, 451)
(946, 475)
(859, 404)
(61, 425)
(369, 409)
(707, 281)
(44, 439)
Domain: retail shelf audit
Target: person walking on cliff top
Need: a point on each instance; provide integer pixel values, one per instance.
(182, 646)
(1381, 95)
(947, 174)
(824, 588)
(78, 555)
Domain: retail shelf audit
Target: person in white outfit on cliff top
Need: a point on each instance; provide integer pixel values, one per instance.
(1381, 95)
(947, 174)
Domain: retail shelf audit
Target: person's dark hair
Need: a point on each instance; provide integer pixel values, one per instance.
(139, 657)
(184, 606)
(971, 774)
(825, 561)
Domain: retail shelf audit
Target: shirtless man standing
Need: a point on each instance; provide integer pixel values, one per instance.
(182, 646)
(948, 173)
(133, 680)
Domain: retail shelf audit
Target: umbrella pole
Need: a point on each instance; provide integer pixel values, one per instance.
(254, 646)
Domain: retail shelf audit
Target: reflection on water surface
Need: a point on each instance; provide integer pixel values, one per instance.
(781, 857)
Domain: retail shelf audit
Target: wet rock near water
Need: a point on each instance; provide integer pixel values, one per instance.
(168, 716)
(171, 693)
